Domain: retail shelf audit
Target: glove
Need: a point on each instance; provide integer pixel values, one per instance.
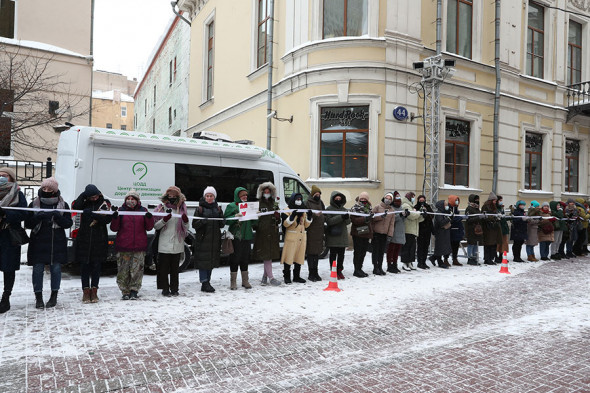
(115, 214)
(87, 212)
(168, 211)
(42, 215)
(309, 215)
(369, 217)
(406, 213)
(184, 217)
(277, 215)
(114, 208)
(424, 214)
(345, 216)
(148, 215)
(168, 217)
(56, 214)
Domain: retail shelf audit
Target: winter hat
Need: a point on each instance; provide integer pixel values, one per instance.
(132, 193)
(315, 189)
(210, 190)
(50, 183)
(563, 204)
(521, 202)
(10, 172)
(410, 195)
(492, 196)
(545, 204)
(364, 195)
(396, 195)
(534, 204)
(452, 199)
(91, 190)
(571, 200)
(390, 195)
(173, 189)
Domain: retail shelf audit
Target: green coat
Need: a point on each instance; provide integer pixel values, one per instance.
(559, 225)
(337, 227)
(241, 230)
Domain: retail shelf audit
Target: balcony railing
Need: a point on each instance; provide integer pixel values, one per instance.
(578, 99)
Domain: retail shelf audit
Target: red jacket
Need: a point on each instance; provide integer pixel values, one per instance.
(132, 230)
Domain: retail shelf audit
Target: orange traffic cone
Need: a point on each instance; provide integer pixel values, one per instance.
(333, 284)
(504, 268)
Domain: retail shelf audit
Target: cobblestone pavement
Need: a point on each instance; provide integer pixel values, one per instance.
(527, 333)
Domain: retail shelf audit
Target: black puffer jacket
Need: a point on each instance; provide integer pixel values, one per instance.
(207, 244)
(92, 239)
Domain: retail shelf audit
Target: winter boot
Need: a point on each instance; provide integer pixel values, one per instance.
(442, 263)
(52, 300)
(94, 295)
(456, 262)
(498, 260)
(378, 270)
(406, 267)
(206, 287)
(287, 273)
(263, 282)
(411, 264)
(133, 295)
(86, 295)
(392, 268)
(5, 302)
(340, 275)
(316, 275)
(233, 277)
(517, 259)
(446, 261)
(39, 300)
(473, 261)
(313, 270)
(297, 274)
(245, 282)
(433, 260)
(274, 282)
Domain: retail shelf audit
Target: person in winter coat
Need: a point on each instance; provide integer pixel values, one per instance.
(519, 230)
(532, 231)
(412, 222)
(383, 222)
(582, 228)
(504, 230)
(473, 229)
(173, 231)
(243, 235)
(571, 213)
(457, 229)
(565, 234)
(336, 230)
(558, 228)
(266, 243)
(424, 231)
(131, 244)
(10, 196)
(442, 233)
(92, 240)
(315, 233)
(48, 243)
(207, 244)
(295, 223)
(396, 242)
(545, 232)
(491, 229)
(361, 231)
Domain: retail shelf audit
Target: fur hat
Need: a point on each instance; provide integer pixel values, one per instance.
(315, 189)
(210, 190)
(50, 183)
(263, 186)
(132, 193)
(10, 172)
(176, 190)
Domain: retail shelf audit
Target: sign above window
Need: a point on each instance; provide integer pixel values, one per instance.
(337, 118)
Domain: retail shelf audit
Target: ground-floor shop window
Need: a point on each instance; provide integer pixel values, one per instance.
(457, 152)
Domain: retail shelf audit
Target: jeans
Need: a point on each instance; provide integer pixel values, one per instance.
(472, 251)
(530, 250)
(544, 248)
(205, 275)
(39, 269)
(90, 273)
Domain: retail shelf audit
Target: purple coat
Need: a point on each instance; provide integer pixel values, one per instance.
(132, 230)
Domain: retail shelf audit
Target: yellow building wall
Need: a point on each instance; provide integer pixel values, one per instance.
(108, 111)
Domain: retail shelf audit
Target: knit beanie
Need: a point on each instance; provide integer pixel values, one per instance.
(132, 193)
(545, 204)
(364, 195)
(10, 172)
(210, 190)
(50, 183)
(390, 195)
(534, 204)
(492, 196)
(520, 203)
(91, 190)
(571, 200)
(315, 189)
(410, 195)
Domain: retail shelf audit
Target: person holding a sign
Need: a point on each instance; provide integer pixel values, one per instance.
(241, 229)
(295, 222)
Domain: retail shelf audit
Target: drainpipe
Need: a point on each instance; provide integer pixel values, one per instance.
(496, 98)
(173, 4)
(271, 11)
(91, 56)
(438, 25)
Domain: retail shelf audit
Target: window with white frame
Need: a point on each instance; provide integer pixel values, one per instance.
(459, 24)
(263, 20)
(533, 165)
(535, 40)
(210, 53)
(457, 134)
(123, 111)
(574, 53)
(342, 18)
(7, 18)
(572, 165)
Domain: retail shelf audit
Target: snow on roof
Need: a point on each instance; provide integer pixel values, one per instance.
(108, 95)
(42, 46)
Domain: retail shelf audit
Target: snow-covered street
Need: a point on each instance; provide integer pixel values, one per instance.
(466, 329)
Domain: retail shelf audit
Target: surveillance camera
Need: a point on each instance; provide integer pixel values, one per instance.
(271, 114)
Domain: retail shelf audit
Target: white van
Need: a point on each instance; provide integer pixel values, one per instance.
(117, 161)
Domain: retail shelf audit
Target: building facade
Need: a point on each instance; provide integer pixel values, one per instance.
(341, 68)
(112, 109)
(51, 41)
(161, 97)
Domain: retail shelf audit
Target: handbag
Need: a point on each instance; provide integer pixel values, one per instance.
(18, 235)
(363, 230)
(227, 245)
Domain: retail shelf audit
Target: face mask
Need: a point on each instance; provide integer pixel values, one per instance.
(500, 203)
(172, 200)
(298, 202)
(244, 199)
(267, 196)
(520, 207)
(338, 202)
(421, 202)
(3, 180)
(387, 201)
(559, 208)
(131, 203)
(413, 200)
(316, 198)
(446, 208)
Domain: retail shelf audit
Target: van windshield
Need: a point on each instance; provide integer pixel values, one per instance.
(291, 185)
(193, 179)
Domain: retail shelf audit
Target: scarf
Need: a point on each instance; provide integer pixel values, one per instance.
(181, 231)
(9, 194)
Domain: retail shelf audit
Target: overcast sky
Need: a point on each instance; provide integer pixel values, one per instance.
(126, 31)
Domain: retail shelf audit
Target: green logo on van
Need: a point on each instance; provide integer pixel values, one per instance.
(139, 168)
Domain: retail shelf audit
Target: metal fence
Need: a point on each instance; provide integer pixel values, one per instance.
(29, 174)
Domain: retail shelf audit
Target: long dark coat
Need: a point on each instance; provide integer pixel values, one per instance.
(315, 231)
(442, 235)
(92, 241)
(457, 228)
(266, 242)
(519, 226)
(207, 243)
(9, 254)
(425, 227)
(48, 245)
(337, 237)
(492, 233)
